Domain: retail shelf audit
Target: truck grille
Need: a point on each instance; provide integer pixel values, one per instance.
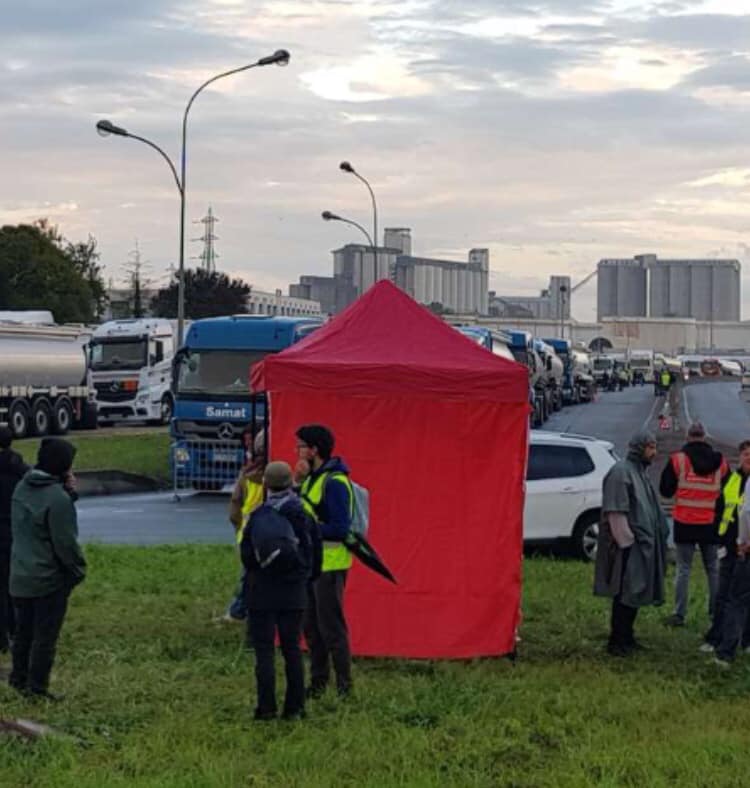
(109, 392)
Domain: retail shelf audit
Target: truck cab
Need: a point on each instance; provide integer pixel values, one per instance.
(213, 403)
(490, 340)
(131, 364)
(577, 382)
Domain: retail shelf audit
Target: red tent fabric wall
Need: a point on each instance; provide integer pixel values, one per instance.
(436, 428)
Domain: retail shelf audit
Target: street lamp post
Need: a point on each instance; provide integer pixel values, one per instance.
(345, 166)
(334, 217)
(105, 128)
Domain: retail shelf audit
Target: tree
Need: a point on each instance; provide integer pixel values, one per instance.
(39, 269)
(207, 294)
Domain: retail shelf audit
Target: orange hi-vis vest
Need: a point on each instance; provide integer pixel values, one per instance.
(695, 500)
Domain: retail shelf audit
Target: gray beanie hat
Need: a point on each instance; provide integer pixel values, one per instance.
(641, 439)
(277, 476)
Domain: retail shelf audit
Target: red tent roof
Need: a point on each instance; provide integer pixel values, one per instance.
(386, 343)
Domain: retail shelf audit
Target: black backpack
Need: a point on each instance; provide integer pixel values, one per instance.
(275, 547)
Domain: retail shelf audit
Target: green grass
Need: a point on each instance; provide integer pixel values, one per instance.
(144, 453)
(158, 695)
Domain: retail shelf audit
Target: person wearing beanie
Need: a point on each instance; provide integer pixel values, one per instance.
(694, 477)
(46, 564)
(12, 470)
(631, 556)
(282, 553)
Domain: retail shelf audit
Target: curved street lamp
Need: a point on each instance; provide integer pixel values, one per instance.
(105, 128)
(334, 217)
(346, 166)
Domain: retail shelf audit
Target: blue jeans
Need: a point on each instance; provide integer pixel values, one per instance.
(684, 552)
(238, 606)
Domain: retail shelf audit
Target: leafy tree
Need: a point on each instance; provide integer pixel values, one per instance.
(40, 270)
(207, 294)
(438, 309)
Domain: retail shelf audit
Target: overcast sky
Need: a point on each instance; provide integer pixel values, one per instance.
(554, 132)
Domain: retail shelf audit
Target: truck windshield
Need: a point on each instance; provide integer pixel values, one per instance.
(216, 372)
(602, 364)
(520, 355)
(118, 354)
(640, 363)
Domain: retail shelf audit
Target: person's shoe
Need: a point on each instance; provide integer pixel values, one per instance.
(344, 690)
(618, 650)
(724, 664)
(636, 645)
(229, 619)
(263, 715)
(22, 688)
(293, 716)
(674, 621)
(706, 648)
(45, 695)
(315, 691)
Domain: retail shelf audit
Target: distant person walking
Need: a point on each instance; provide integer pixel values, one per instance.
(728, 509)
(693, 476)
(46, 563)
(12, 470)
(631, 552)
(281, 552)
(328, 497)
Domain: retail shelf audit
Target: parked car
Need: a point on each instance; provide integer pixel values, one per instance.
(564, 490)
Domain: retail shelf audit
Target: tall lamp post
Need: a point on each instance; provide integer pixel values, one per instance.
(105, 128)
(334, 217)
(345, 166)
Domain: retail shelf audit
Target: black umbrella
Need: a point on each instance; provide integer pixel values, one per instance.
(359, 547)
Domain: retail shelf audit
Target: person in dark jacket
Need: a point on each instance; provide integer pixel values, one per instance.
(277, 598)
(728, 509)
(12, 470)
(46, 564)
(328, 497)
(694, 477)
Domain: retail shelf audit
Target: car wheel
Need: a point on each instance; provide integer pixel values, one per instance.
(586, 537)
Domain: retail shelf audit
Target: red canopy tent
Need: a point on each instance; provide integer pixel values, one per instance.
(436, 428)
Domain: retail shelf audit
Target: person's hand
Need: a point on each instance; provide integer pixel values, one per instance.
(69, 482)
(301, 471)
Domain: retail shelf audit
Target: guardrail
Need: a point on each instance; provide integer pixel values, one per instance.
(204, 465)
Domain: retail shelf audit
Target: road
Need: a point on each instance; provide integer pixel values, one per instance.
(719, 407)
(155, 518)
(614, 416)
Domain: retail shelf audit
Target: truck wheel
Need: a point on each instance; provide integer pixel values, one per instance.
(18, 418)
(167, 408)
(41, 417)
(62, 416)
(557, 401)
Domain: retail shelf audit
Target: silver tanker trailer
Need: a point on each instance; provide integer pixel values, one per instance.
(44, 379)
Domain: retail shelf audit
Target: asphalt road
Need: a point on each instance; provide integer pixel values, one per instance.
(614, 416)
(719, 407)
(155, 519)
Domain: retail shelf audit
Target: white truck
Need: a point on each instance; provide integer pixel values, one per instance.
(642, 365)
(131, 370)
(44, 383)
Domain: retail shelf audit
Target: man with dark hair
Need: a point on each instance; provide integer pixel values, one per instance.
(12, 470)
(46, 564)
(693, 476)
(327, 496)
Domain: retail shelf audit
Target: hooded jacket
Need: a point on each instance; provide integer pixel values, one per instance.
(45, 556)
(12, 470)
(705, 461)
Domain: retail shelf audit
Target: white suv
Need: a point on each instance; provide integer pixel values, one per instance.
(564, 489)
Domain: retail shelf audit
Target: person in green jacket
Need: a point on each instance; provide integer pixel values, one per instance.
(46, 563)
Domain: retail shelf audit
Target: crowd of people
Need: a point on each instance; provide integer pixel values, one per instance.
(708, 516)
(291, 526)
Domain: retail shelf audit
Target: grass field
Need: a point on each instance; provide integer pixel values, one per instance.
(159, 695)
(144, 453)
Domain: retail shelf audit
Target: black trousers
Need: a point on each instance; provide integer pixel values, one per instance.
(38, 624)
(327, 633)
(263, 625)
(726, 570)
(7, 617)
(623, 616)
(735, 610)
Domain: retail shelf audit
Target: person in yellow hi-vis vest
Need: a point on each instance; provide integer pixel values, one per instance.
(247, 496)
(327, 496)
(728, 509)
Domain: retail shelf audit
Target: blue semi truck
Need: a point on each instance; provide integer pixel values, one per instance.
(212, 399)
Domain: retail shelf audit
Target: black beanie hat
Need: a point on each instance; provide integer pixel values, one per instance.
(55, 456)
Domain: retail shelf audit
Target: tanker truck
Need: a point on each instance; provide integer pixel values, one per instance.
(44, 378)
(521, 345)
(552, 375)
(577, 380)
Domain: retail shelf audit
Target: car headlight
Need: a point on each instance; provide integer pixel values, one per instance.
(181, 455)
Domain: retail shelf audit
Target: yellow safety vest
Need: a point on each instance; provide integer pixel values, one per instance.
(732, 499)
(335, 555)
(666, 379)
(252, 500)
